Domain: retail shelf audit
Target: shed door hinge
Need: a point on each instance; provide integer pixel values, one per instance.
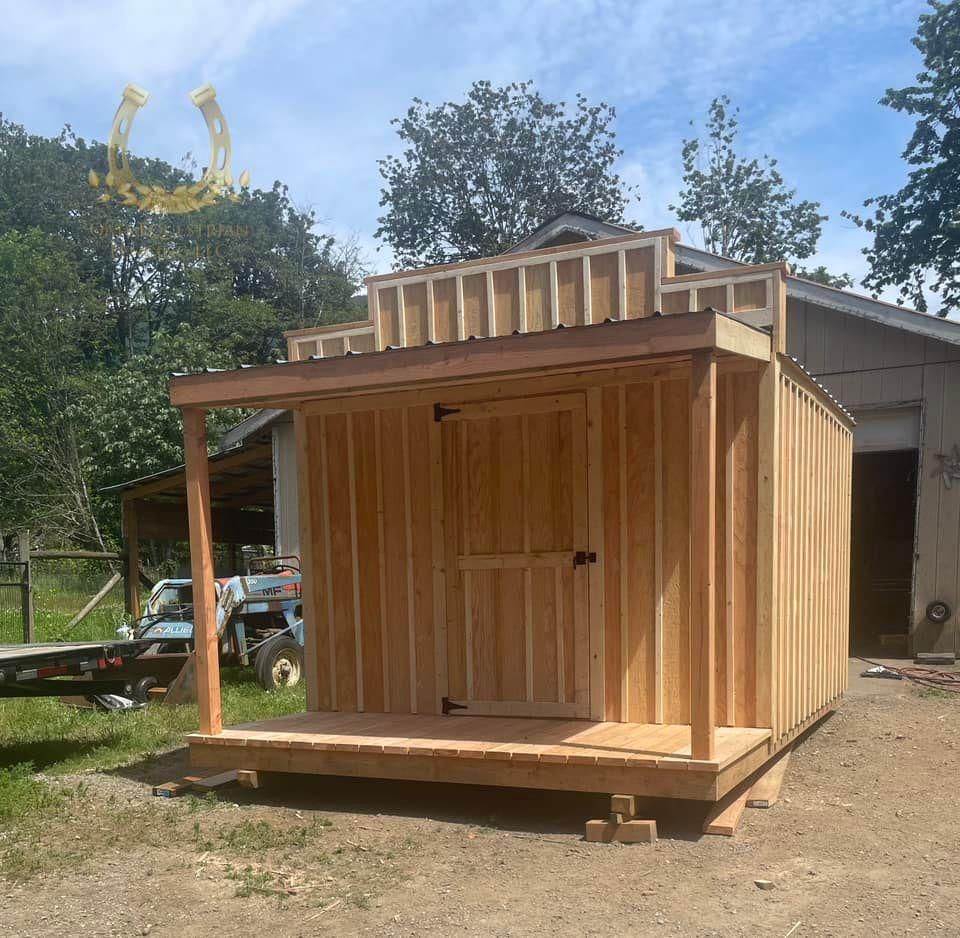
(582, 557)
(439, 412)
(448, 705)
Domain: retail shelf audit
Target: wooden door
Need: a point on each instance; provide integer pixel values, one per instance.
(516, 556)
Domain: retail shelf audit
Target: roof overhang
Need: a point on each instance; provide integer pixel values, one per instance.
(576, 348)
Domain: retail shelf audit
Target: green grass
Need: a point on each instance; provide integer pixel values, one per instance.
(59, 739)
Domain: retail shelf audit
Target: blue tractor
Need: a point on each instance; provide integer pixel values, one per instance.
(259, 624)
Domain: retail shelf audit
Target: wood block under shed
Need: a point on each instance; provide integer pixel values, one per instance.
(215, 781)
(629, 832)
(248, 778)
(624, 804)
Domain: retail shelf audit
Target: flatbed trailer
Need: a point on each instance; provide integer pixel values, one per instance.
(38, 670)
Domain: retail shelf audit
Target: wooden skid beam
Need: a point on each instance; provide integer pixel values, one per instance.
(724, 816)
(765, 792)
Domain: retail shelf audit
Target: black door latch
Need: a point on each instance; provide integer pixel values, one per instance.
(582, 557)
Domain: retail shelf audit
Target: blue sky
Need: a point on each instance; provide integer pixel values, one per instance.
(309, 88)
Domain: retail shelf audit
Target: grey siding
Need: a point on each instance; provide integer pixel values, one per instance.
(864, 365)
(285, 504)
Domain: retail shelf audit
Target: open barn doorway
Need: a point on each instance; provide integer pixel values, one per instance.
(884, 522)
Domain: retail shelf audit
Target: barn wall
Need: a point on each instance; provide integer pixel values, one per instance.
(813, 557)
(285, 505)
(866, 364)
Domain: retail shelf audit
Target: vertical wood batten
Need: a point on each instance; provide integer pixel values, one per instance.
(206, 642)
(355, 562)
(308, 585)
(527, 574)
(522, 298)
(401, 318)
(491, 306)
(461, 320)
(625, 650)
(438, 533)
(382, 562)
(768, 445)
(729, 549)
(621, 284)
(431, 314)
(703, 468)
(408, 543)
(373, 308)
(554, 296)
(587, 291)
(328, 562)
(658, 549)
(595, 533)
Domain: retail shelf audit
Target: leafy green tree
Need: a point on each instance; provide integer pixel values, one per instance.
(51, 330)
(916, 230)
(820, 274)
(124, 423)
(744, 207)
(475, 176)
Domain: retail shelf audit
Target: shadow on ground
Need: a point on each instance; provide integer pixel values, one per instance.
(508, 809)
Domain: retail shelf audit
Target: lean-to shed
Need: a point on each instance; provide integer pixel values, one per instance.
(586, 528)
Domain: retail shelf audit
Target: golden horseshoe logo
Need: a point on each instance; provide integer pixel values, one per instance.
(125, 188)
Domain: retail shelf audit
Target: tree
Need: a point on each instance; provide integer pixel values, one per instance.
(744, 208)
(51, 329)
(820, 274)
(477, 176)
(916, 230)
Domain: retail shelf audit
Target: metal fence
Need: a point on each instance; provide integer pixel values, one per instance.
(14, 594)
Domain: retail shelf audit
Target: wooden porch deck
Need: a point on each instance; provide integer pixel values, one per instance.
(629, 758)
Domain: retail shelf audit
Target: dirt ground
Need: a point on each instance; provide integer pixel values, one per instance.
(865, 841)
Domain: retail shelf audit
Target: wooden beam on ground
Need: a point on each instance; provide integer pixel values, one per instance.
(249, 778)
(703, 497)
(95, 601)
(205, 638)
(725, 815)
(765, 792)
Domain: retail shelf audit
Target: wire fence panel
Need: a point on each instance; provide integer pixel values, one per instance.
(11, 602)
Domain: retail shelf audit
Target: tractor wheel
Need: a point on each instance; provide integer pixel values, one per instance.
(279, 663)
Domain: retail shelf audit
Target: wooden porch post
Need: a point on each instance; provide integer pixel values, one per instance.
(205, 638)
(703, 509)
(131, 539)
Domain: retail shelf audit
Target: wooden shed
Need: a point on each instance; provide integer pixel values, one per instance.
(587, 529)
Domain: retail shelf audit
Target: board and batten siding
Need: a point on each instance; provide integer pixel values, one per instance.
(867, 365)
(375, 511)
(813, 554)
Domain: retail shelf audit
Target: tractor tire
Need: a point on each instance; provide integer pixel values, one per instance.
(279, 663)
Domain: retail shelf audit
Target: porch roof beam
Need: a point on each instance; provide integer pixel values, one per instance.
(580, 347)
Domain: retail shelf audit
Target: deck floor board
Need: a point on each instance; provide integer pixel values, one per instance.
(575, 742)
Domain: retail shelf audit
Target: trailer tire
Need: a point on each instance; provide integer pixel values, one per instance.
(141, 690)
(279, 663)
